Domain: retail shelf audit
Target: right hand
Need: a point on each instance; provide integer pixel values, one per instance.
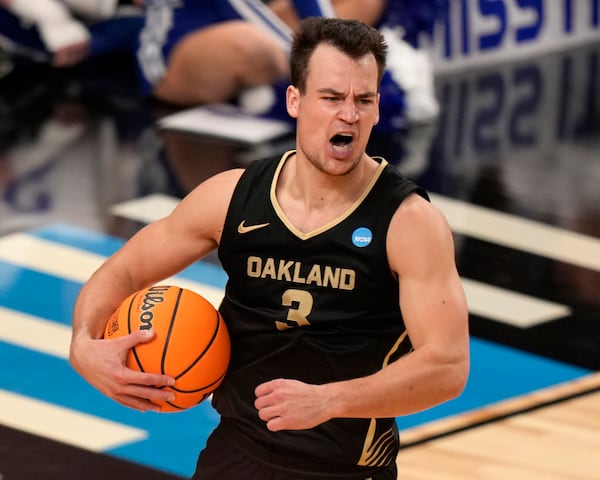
(103, 364)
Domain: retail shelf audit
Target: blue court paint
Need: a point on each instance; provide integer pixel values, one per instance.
(80, 238)
(36, 293)
(497, 372)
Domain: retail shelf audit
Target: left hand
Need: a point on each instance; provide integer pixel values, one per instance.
(290, 405)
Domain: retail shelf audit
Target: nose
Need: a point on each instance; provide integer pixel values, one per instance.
(348, 111)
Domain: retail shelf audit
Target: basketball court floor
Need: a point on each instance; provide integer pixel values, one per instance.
(514, 164)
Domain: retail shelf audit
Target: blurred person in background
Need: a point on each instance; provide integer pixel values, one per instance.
(63, 33)
(196, 52)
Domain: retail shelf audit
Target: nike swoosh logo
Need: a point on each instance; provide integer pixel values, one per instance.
(242, 228)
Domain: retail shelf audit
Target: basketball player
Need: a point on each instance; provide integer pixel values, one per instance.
(343, 301)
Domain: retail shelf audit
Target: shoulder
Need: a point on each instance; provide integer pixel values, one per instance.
(206, 205)
(417, 211)
(419, 235)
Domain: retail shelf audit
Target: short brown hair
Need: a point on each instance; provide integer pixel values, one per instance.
(352, 37)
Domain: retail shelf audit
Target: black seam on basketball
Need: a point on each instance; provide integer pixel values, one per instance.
(133, 349)
(206, 348)
(179, 407)
(199, 389)
(171, 325)
(176, 406)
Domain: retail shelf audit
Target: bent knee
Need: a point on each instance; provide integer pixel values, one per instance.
(259, 57)
(214, 64)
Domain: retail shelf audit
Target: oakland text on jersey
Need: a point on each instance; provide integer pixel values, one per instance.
(296, 272)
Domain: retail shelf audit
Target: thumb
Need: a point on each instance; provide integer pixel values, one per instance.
(140, 336)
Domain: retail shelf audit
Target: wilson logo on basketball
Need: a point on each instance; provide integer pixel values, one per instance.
(113, 325)
(153, 296)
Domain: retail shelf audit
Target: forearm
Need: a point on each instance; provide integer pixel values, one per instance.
(109, 285)
(103, 362)
(415, 382)
(153, 254)
(97, 300)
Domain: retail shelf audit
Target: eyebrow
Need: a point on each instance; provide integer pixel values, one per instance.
(334, 92)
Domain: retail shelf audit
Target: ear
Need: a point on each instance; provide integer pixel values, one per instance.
(292, 100)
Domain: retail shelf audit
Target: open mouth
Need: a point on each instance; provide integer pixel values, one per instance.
(341, 140)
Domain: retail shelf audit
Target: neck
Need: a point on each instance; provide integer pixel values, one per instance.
(311, 198)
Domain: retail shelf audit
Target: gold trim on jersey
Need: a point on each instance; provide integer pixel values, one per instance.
(304, 236)
(376, 450)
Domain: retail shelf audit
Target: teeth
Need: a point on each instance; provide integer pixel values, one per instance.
(340, 148)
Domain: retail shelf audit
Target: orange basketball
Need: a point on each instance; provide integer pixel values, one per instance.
(191, 342)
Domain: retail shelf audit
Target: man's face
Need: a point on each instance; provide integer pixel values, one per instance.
(336, 114)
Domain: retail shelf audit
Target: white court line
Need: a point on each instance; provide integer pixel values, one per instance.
(75, 264)
(510, 307)
(34, 333)
(146, 209)
(521, 234)
(490, 302)
(65, 425)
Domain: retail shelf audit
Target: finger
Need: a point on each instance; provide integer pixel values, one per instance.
(262, 402)
(267, 413)
(153, 394)
(267, 387)
(127, 342)
(137, 403)
(276, 424)
(149, 379)
(263, 389)
(139, 336)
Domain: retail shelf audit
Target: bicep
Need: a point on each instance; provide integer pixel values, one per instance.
(421, 252)
(190, 232)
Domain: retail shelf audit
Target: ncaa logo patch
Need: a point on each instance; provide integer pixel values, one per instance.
(362, 237)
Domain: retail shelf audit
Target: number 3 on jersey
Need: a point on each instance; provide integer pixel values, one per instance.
(300, 303)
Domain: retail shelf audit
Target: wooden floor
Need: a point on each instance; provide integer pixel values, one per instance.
(540, 437)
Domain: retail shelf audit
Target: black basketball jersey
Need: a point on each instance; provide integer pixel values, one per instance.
(317, 307)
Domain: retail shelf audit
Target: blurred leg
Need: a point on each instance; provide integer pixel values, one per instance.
(217, 62)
